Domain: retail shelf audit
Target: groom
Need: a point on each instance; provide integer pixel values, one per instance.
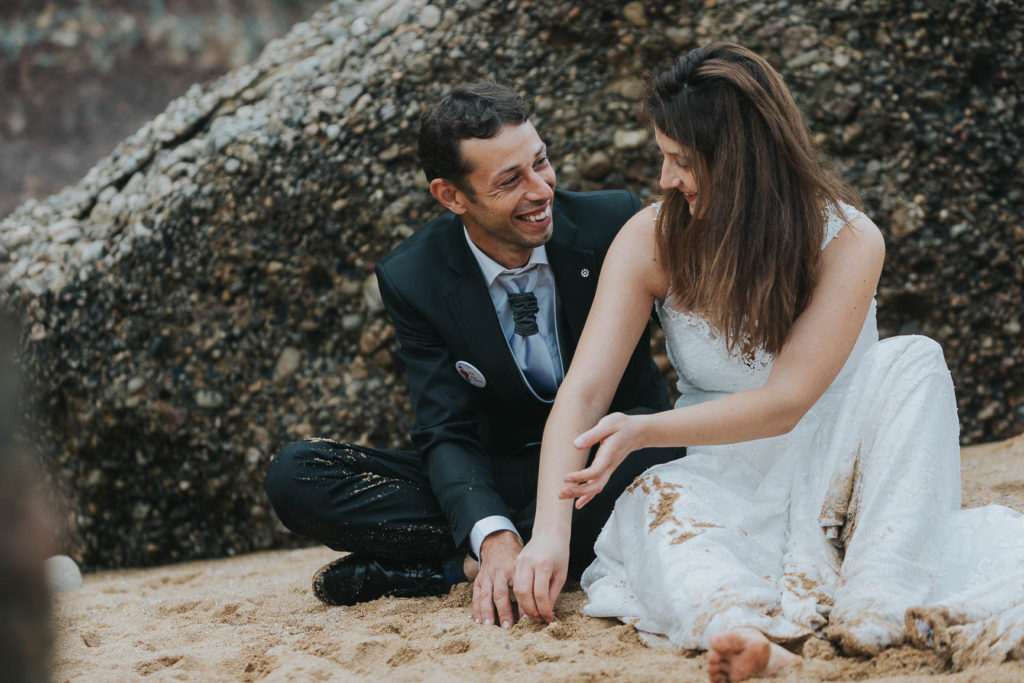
(489, 301)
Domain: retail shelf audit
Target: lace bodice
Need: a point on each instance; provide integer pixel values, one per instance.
(698, 352)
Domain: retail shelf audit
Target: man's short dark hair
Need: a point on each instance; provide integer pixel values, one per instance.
(477, 110)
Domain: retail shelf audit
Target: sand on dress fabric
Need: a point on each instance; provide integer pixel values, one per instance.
(253, 618)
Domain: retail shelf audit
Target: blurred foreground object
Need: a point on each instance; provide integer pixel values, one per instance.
(25, 539)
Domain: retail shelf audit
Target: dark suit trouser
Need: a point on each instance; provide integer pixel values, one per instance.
(379, 502)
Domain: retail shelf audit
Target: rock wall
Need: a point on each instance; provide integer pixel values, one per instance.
(205, 293)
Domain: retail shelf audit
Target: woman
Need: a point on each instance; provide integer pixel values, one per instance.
(821, 492)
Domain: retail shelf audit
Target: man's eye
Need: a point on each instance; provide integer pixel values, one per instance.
(511, 180)
(542, 162)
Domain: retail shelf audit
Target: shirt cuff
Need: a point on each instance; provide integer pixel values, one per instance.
(487, 526)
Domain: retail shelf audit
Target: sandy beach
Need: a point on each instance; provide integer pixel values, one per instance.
(254, 618)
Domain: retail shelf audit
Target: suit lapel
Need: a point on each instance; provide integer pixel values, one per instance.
(471, 307)
(576, 273)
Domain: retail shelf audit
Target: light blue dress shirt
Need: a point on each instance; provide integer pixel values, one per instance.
(548, 330)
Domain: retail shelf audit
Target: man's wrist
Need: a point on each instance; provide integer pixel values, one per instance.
(487, 526)
(500, 548)
(498, 537)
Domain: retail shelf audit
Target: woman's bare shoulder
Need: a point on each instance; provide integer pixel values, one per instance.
(641, 228)
(634, 250)
(859, 235)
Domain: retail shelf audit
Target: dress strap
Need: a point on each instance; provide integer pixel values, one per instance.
(836, 217)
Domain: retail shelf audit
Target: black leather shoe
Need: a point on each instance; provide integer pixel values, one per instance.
(358, 578)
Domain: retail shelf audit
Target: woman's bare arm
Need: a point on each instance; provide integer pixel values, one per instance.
(630, 280)
(819, 344)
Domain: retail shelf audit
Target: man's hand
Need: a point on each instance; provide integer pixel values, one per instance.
(541, 570)
(491, 594)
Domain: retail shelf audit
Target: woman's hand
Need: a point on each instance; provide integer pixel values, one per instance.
(619, 435)
(541, 569)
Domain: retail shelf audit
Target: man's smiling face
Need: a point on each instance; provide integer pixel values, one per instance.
(508, 193)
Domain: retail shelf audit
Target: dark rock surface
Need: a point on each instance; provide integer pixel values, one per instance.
(205, 293)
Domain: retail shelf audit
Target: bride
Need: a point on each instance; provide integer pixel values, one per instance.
(820, 495)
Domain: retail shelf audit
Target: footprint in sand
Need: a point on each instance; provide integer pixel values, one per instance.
(535, 656)
(234, 614)
(256, 668)
(366, 655)
(180, 607)
(143, 645)
(404, 655)
(454, 646)
(175, 579)
(388, 628)
(559, 631)
(152, 666)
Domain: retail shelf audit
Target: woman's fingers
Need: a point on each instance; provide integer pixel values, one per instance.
(523, 588)
(603, 465)
(582, 476)
(584, 491)
(545, 600)
(577, 491)
(605, 427)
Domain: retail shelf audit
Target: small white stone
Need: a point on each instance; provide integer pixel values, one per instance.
(287, 364)
(65, 231)
(430, 17)
(117, 203)
(351, 322)
(630, 139)
(92, 251)
(360, 26)
(209, 400)
(635, 14)
(62, 574)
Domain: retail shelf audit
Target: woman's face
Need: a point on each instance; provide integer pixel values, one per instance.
(677, 168)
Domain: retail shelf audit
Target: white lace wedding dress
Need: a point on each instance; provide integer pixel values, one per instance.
(837, 528)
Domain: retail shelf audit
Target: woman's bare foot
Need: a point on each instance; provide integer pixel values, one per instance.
(744, 652)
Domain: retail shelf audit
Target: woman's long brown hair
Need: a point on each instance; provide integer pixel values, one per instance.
(748, 258)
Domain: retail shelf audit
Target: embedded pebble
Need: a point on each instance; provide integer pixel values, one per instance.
(62, 574)
(631, 139)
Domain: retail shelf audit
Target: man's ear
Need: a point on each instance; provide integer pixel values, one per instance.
(450, 196)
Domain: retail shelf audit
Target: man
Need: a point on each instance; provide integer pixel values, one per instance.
(489, 301)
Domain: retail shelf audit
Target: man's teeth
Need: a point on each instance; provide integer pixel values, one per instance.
(537, 217)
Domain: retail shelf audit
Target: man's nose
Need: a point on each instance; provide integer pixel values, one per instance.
(538, 189)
